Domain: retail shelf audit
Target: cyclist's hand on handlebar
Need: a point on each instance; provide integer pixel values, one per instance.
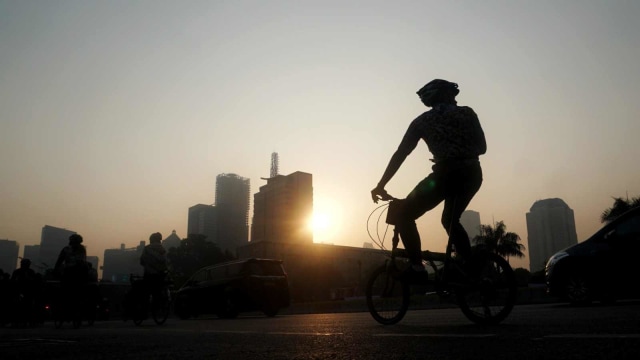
(380, 194)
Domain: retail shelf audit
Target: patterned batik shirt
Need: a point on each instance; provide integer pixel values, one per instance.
(450, 131)
(154, 259)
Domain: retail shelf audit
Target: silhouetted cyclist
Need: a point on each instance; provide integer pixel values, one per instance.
(26, 284)
(24, 276)
(455, 138)
(154, 261)
(72, 262)
(72, 265)
(6, 294)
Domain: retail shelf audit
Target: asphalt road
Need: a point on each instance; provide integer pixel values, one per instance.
(547, 331)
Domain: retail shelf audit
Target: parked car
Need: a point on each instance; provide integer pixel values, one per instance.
(237, 286)
(603, 267)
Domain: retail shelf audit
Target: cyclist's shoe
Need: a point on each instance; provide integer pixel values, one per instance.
(455, 272)
(414, 275)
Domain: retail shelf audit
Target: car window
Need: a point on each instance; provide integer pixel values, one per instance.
(263, 268)
(271, 268)
(629, 227)
(253, 268)
(200, 276)
(217, 273)
(234, 269)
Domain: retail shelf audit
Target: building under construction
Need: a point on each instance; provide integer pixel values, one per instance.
(233, 194)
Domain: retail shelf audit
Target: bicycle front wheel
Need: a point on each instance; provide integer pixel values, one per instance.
(160, 307)
(139, 312)
(491, 294)
(387, 298)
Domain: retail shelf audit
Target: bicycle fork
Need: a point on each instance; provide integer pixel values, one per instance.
(390, 282)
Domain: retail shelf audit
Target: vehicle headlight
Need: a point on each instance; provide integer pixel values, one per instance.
(554, 260)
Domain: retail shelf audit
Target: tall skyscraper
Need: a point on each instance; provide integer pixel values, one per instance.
(470, 221)
(282, 209)
(8, 255)
(232, 206)
(52, 241)
(203, 221)
(551, 227)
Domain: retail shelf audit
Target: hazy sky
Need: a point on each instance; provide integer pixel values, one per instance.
(116, 116)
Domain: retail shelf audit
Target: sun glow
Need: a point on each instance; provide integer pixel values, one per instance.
(324, 222)
(320, 222)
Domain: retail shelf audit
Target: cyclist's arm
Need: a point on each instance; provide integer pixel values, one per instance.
(409, 142)
(394, 164)
(83, 253)
(60, 260)
(143, 256)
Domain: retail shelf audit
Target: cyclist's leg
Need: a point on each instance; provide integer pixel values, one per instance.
(155, 285)
(424, 197)
(461, 188)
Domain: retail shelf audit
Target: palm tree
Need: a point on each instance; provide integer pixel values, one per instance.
(620, 206)
(498, 240)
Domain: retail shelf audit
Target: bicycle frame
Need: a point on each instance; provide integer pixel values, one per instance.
(143, 298)
(486, 295)
(428, 257)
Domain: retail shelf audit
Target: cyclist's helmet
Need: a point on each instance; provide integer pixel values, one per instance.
(75, 239)
(438, 90)
(155, 238)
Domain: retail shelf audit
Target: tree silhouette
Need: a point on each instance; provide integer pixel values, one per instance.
(498, 240)
(194, 253)
(620, 206)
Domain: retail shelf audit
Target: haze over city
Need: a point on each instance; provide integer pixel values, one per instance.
(116, 117)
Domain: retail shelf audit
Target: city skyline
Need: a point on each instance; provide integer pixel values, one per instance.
(115, 118)
(551, 227)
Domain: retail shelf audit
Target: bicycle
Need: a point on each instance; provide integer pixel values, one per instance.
(73, 304)
(484, 288)
(141, 298)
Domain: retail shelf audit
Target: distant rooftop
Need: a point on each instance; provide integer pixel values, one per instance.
(549, 203)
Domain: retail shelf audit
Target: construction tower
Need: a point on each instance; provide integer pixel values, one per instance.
(274, 165)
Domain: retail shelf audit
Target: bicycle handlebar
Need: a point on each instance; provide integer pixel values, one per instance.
(381, 194)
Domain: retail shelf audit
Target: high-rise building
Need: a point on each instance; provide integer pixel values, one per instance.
(8, 255)
(470, 221)
(551, 227)
(282, 209)
(203, 221)
(52, 241)
(122, 262)
(232, 206)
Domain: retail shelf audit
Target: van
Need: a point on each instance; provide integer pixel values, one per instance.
(229, 288)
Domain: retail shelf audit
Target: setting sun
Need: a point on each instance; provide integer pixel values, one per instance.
(325, 221)
(320, 222)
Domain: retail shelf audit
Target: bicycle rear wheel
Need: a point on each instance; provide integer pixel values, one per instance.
(492, 293)
(387, 298)
(160, 307)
